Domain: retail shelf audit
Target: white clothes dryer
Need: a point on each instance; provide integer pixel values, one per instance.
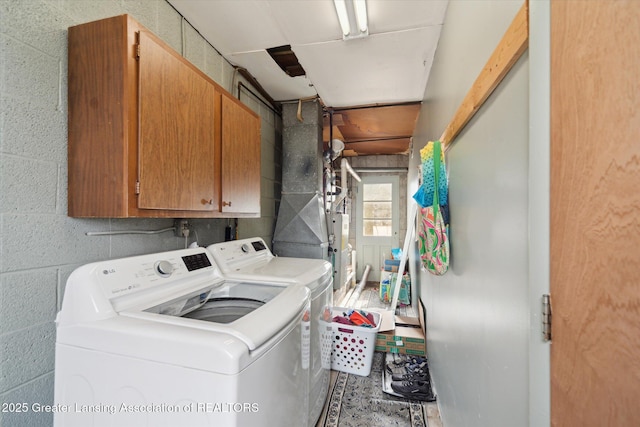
(163, 340)
(250, 259)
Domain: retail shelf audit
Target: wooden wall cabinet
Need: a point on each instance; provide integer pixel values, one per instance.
(150, 135)
(240, 175)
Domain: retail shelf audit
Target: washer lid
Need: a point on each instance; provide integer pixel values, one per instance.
(255, 328)
(250, 259)
(312, 273)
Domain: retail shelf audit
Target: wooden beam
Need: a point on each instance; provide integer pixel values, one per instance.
(513, 44)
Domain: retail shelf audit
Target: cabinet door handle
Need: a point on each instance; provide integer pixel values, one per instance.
(207, 202)
(226, 203)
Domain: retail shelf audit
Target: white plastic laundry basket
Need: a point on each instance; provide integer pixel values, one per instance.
(353, 346)
(326, 342)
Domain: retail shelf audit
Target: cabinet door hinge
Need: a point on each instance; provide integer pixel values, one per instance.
(546, 318)
(137, 187)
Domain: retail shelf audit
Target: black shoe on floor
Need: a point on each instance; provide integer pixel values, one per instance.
(419, 390)
(412, 376)
(407, 368)
(399, 362)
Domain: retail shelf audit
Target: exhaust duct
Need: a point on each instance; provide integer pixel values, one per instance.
(301, 226)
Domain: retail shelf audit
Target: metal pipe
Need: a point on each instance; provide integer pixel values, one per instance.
(344, 168)
(113, 233)
(379, 170)
(344, 165)
(258, 97)
(364, 107)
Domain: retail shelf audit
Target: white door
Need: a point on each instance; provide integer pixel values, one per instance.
(377, 222)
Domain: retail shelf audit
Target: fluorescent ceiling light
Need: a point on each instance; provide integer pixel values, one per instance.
(343, 17)
(352, 12)
(360, 7)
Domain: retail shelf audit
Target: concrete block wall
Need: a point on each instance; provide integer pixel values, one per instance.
(39, 245)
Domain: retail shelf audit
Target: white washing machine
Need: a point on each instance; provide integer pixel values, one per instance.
(250, 259)
(164, 340)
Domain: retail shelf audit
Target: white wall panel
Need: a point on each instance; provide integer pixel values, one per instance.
(477, 313)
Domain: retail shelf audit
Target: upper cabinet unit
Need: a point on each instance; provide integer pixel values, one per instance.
(150, 135)
(240, 178)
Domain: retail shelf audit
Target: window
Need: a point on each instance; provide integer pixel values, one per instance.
(377, 209)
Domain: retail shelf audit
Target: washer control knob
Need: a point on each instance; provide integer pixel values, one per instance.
(245, 248)
(164, 268)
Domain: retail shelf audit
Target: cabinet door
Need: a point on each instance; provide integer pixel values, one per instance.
(176, 158)
(240, 158)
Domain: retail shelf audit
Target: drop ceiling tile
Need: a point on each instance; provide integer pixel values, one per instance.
(276, 82)
(308, 21)
(233, 26)
(379, 69)
(386, 16)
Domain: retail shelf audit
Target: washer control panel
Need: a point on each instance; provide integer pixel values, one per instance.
(235, 254)
(126, 276)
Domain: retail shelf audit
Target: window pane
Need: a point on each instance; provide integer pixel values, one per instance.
(376, 192)
(377, 210)
(375, 227)
(380, 210)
